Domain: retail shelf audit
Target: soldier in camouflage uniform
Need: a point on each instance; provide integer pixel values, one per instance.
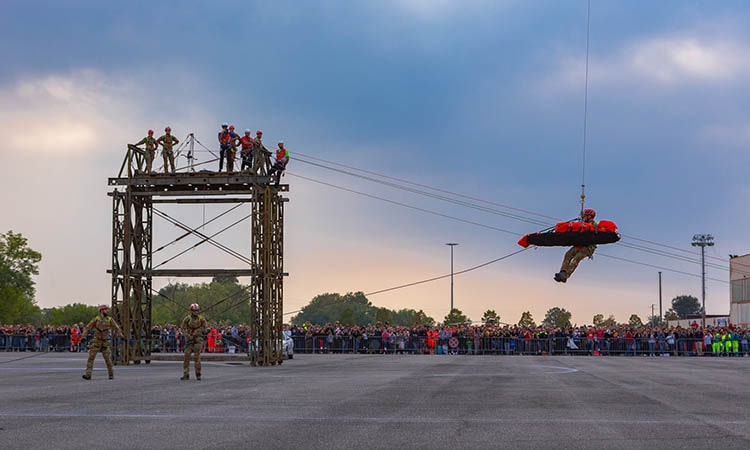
(151, 146)
(193, 327)
(168, 142)
(101, 324)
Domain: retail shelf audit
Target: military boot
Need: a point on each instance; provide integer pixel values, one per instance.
(198, 376)
(185, 377)
(86, 376)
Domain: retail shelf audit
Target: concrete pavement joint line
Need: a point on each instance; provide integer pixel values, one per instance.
(556, 370)
(447, 420)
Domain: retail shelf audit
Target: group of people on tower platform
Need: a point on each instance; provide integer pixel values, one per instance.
(167, 142)
(255, 157)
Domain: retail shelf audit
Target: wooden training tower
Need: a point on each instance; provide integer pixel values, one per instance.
(133, 198)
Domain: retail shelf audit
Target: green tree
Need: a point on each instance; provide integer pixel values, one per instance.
(18, 262)
(490, 316)
(526, 320)
(70, 314)
(557, 317)
(221, 302)
(420, 318)
(609, 321)
(635, 321)
(330, 307)
(671, 314)
(455, 316)
(383, 315)
(684, 305)
(598, 320)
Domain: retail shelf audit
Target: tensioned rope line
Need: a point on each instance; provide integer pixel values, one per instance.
(403, 204)
(633, 246)
(188, 233)
(695, 275)
(585, 108)
(428, 194)
(657, 252)
(445, 276)
(401, 180)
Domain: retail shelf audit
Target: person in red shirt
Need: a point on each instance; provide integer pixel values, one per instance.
(246, 151)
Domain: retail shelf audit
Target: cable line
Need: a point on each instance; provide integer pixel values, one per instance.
(445, 276)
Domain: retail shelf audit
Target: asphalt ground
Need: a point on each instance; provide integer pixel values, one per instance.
(379, 402)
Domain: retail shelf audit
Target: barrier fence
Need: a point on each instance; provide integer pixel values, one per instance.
(458, 345)
(497, 345)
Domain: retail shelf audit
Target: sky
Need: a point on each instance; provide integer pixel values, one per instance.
(487, 103)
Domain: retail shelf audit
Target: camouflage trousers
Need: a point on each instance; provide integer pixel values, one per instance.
(573, 257)
(168, 156)
(94, 348)
(192, 346)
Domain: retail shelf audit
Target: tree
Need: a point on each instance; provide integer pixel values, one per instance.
(421, 318)
(490, 316)
(610, 322)
(526, 320)
(220, 301)
(635, 321)
(70, 314)
(18, 262)
(669, 315)
(557, 317)
(598, 320)
(455, 316)
(684, 305)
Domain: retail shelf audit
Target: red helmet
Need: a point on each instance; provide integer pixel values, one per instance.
(589, 212)
(150, 131)
(259, 132)
(103, 308)
(195, 307)
(231, 127)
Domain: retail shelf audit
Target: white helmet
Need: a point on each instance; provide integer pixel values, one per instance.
(195, 307)
(247, 131)
(281, 142)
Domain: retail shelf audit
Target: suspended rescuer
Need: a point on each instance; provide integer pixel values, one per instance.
(102, 325)
(151, 146)
(279, 166)
(575, 254)
(168, 142)
(193, 327)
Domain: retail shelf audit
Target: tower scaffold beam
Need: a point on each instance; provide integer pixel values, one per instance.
(133, 197)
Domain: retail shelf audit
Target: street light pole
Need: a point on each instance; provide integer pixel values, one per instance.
(703, 241)
(451, 244)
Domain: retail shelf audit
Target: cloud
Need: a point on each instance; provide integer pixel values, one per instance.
(687, 59)
(656, 63)
(62, 113)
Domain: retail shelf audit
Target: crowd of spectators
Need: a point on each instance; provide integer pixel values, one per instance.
(494, 339)
(502, 339)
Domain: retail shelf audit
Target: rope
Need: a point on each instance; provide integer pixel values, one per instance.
(585, 109)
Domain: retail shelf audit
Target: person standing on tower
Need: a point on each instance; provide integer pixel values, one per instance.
(151, 146)
(246, 152)
(279, 166)
(168, 142)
